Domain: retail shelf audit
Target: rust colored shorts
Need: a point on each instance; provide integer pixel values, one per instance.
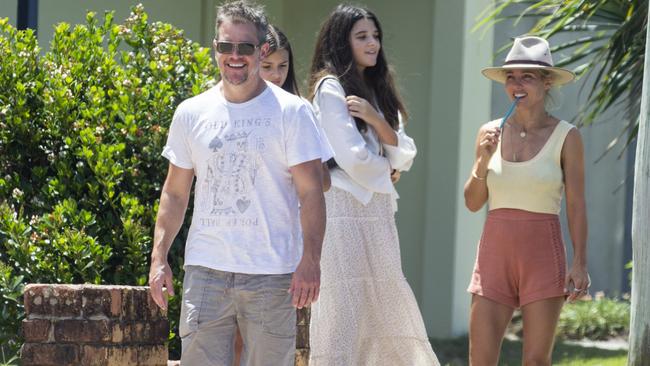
(520, 258)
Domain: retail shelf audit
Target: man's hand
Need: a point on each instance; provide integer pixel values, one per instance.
(173, 203)
(160, 276)
(305, 284)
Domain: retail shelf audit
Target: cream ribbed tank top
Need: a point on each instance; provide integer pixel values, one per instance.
(534, 185)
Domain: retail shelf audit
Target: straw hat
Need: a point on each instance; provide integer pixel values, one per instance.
(529, 52)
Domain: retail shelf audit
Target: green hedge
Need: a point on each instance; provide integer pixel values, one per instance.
(599, 318)
(82, 126)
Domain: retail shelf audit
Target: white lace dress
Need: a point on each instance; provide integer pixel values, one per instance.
(366, 314)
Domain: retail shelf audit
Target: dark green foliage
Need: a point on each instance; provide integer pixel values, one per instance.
(82, 127)
(593, 318)
(600, 318)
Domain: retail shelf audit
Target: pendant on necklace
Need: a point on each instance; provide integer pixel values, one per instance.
(522, 134)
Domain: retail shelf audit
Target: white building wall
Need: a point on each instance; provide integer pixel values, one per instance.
(475, 110)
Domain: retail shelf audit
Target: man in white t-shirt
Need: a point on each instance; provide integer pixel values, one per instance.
(252, 255)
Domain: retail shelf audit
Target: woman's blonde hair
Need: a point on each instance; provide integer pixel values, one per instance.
(553, 99)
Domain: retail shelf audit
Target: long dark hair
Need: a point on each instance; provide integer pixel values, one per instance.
(278, 41)
(333, 56)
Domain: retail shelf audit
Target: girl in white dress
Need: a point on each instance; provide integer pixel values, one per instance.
(366, 313)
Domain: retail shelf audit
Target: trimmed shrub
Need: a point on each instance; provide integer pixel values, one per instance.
(82, 127)
(598, 318)
(594, 318)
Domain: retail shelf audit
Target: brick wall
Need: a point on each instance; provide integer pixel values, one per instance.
(92, 326)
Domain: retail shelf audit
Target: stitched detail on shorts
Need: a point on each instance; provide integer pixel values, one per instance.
(558, 254)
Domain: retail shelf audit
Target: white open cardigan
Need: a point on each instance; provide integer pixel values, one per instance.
(365, 163)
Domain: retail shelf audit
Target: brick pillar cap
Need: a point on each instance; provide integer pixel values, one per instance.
(83, 286)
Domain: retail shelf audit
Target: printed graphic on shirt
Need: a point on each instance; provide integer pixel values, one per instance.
(231, 173)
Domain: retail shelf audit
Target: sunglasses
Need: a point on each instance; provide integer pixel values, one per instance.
(243, 48)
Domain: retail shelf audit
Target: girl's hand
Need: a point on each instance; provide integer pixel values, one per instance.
(488, 140)
(395, 175)
(360, 108)
(577, 282)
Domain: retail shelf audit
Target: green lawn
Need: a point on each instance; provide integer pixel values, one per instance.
(453, 352)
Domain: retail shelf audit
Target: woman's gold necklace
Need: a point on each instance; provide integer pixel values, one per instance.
(523, 135)
(523, 132)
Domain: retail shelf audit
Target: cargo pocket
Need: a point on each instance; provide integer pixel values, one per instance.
(278, 314)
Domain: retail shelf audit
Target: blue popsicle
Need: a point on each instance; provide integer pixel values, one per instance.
(509, 112)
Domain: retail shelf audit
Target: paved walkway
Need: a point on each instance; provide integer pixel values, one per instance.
(614, 344)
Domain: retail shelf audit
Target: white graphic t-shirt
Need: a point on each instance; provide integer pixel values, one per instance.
(246, 216)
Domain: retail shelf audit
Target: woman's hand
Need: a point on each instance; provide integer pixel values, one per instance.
(360, 108)
(395, 175)
(577, 282)
(487, 143)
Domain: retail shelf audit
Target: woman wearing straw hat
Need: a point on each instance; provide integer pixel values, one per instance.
(523, 163)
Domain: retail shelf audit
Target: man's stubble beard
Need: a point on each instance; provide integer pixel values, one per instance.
(239, 81)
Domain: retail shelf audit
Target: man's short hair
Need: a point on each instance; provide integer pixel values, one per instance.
(243, 11)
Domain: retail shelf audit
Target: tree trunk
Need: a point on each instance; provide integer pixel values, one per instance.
(639, 353)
